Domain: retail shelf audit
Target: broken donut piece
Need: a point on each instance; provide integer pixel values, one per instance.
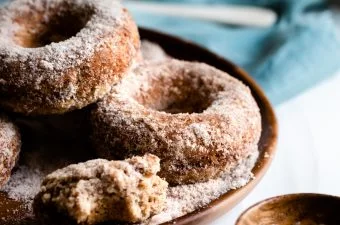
(100, 190)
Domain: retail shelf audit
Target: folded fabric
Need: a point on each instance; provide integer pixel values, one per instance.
(299, 51)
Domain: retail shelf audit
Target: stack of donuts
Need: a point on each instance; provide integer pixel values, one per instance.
(57, 56)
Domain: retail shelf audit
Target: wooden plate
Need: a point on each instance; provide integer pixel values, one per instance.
(10, 210)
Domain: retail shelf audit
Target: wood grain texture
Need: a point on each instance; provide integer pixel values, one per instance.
(294, 209)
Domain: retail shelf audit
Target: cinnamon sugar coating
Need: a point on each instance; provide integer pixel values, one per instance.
(152, 52)
(100, 190)
(10, 143)
(198, 120)
(56, 56)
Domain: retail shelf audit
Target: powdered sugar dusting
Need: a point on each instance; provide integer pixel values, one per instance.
(152, 52)
(24, 184)
(57, 57)
(8, 131)
(9, 148)
(184, 199)
(201, 132)
(66, 56)
(50, 149)
(182, 112)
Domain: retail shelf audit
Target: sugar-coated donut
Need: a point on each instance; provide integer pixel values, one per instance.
(10, 144)
(152, 52)
(60, 55)
(198, 120)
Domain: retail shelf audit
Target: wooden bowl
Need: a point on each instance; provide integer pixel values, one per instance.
(185, 50)
(301, 209)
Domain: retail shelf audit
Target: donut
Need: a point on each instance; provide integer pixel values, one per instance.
(152, 52)
(60, 55)
(10, 144)
(198, 120)
(100, 190)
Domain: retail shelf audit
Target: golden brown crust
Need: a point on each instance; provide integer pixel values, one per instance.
(10, 144)
(198, 120)
(47, 79)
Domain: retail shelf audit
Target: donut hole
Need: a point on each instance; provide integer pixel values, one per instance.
(53, 26)
(186, 105)
(178, 94)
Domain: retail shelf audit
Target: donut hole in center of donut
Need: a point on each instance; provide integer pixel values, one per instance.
(181, 94)
(38, 29)
(188, 104)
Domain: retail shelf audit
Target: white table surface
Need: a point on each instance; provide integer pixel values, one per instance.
(308, 151)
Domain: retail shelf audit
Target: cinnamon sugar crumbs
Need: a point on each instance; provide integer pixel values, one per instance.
(25, 184)
(184, 199)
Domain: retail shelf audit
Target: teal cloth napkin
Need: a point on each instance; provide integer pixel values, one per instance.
(299, 51)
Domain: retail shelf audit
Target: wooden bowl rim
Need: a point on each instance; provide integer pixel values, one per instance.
(293, 196)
